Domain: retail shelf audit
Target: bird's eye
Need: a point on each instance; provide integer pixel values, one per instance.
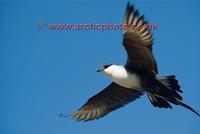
(105, 66)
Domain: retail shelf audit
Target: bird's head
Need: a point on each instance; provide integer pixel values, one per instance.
(106, 68)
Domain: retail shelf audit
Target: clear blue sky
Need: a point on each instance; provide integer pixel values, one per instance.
(44, 73)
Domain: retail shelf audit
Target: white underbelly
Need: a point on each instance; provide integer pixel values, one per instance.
(129, 81)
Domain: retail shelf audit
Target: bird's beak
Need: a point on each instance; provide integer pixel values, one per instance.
(100, 69)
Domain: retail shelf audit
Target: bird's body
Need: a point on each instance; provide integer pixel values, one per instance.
(120, 75)
(138, 76)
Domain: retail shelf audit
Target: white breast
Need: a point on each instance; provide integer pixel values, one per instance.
(124, 78)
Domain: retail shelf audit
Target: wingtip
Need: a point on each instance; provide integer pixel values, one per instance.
(129, 6)
(72, 116)
(65, 116)
(77, 117)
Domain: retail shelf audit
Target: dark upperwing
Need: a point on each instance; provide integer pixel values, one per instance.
(111, 98)
(138, 43)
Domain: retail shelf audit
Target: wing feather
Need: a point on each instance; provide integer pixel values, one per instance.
(138, 43)
(111, 98)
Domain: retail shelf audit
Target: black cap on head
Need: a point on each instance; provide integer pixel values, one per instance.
(104, 67)
(107, 65)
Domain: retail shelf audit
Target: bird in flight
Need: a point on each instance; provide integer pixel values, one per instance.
(139, 75)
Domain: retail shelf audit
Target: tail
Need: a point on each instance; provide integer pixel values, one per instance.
(174, 89)
(170, 82)
(188, 107)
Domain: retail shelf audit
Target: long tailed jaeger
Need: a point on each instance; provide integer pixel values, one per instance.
(138, 76)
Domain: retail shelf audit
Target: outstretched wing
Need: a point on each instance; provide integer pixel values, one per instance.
(138, 42)
(111, 98)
